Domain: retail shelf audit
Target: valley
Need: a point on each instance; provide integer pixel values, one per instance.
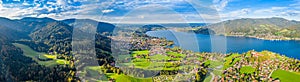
(42, 58)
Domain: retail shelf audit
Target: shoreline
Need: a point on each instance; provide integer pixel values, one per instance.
(260, 38)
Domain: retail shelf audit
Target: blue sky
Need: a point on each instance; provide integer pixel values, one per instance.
(151, 11)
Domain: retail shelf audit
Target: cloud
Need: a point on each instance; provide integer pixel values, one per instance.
(220, 4)
(161, 14)
(1, 5)
(142, 10)
(107, 10)
(17, 0)
(36, 8)
(270, 10)
(291, 13)
(82, 9)
(296, 3)
(237, 13)
(62, 2)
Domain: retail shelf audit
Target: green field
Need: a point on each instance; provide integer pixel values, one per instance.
(285, 76)
(61, 61)
(228, 60)
(208, 78)
(97, 71)
(125, 78)
(142, 60)
(144, 52)
(247, 70)
(214, 64)
(175, 54)
(159, 57)
(27, 51)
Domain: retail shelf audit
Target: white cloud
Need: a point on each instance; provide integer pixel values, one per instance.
(62, 2)
(160, 14)
(62, 9)
(297, 3)
(17, 0)
(290, 13)
(235, 14)
(269, 10)
(220, 4)
(163, 11)
(132, 4)
(1, 6)
(107, 10)
(26, 4)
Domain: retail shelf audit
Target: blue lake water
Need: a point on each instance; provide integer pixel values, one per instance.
(223, 44)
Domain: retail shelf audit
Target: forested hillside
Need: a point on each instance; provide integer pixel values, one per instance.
(47, 36)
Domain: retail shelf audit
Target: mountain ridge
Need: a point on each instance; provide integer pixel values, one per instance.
(264, 28)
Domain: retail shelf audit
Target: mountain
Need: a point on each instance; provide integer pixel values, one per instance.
(53, 30)
(12, 34)
(47, 35)
(275, 27)
(86, 30)
(57, 35)
(16, 67)
(31, 25)
(32, 19)
(12, 24)
(12, 30)
(151, 27)
(84, 24)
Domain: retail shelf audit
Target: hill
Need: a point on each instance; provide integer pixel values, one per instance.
(57, 35)
(12, 30)
(264, 28)
(47, 35)
(15, 66)
(86, 24)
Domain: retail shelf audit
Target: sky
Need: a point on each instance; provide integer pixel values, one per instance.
(151, 11)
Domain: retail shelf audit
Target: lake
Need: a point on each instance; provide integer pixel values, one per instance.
(225, 44)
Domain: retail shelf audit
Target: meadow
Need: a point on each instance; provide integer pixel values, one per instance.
(40, 57)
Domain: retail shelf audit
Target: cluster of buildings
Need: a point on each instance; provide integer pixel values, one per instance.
(264, 67)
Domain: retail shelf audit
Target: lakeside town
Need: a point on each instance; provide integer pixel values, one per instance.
(150, 53)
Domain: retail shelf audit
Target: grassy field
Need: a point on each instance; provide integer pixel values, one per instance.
(154, 62)
(247, 70)
(208, 78)
(214, 64)
(285, 76)
(125, 78)
(175, 54)
(96, 74)
(144, 52)
(229, 62)
(61, 61)
(96, 71)
(159, 57)
(33, 54)
(142, 60)
(50, 56)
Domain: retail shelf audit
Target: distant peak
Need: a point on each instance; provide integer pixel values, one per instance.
(45, 19)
